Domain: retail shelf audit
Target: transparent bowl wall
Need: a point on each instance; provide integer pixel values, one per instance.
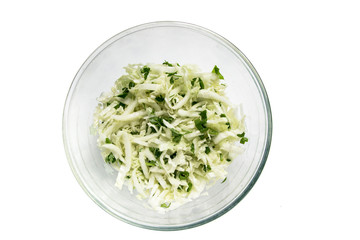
(154, 43)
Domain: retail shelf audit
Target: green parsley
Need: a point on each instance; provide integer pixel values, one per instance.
(193, 81)
(131, 85)
(157, 121)
(172, 156)
(110, 158)
(217, 72)
(167, 63)
(171, 74)
(120, 104)
(184, 175)
(206, 168)
(223, 115)
(164, 205)
(201, 83)
(241, 135)
(224, 180)
(244, 140)
(176, 135)
(168, 119)
(200, 124)
(151, 163)
(207, 150)
(124, 93)
(203, 115)
(156, 152)
(107, 140)
(190, 185)
(145, 70)
(160, 98)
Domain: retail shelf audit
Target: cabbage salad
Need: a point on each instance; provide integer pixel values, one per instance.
(169, 131)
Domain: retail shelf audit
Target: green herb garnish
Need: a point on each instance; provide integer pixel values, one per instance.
(207, 150)
(176, 135)
(190, 185)
(192, 148)
(120, 104)
(145, 70)
(206, 168)
(156, 152)
(244, 140)
(157, 121)
(203, 115)
(168, 119)
(241, 135)
(171, 74)
(107, 140)
(167, 63)
(172, 156)
(172, 80)
(224, 180)
(160, 98)
(184, 175)
(110, 158)
(124, 93)
(217, 72)
(193, 81)
(222, 115)
(201, 123)
(164, 205)
(173, 77)
(150, 163)
(131, 85)
(201, 83)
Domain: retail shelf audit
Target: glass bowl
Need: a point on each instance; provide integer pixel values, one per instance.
(153, 43)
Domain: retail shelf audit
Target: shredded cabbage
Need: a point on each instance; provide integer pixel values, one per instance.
(169, 131)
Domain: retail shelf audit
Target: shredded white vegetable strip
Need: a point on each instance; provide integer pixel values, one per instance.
(169, 130)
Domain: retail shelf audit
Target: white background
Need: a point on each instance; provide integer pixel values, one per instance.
(308, 55)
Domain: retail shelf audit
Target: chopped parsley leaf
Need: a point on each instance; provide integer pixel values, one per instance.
(176, 135)
(207, 150)
(244, 140)
(160, 98)
(145, 70)
(167, 63)
(216, 70)
(184, 175)
(164, 205)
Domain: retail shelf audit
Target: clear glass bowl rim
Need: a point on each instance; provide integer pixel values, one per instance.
(257, 79)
